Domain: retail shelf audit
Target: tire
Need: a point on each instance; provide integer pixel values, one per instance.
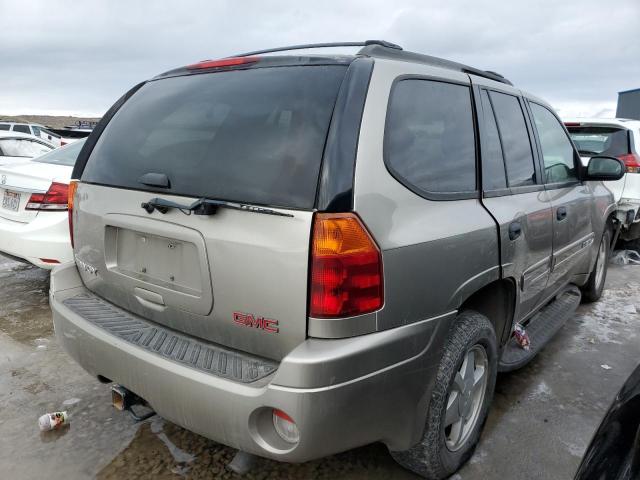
(435, 457)
(592, 290)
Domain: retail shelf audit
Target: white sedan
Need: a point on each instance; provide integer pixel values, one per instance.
(34, 224)
(16, 147)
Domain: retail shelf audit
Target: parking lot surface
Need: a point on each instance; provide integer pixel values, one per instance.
(541, 421)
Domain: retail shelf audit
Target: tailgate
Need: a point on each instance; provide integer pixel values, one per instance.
(235, 278)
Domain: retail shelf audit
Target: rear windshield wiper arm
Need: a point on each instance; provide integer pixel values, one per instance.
(204, 206)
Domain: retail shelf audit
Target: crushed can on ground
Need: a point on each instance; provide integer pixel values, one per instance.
(522, 337)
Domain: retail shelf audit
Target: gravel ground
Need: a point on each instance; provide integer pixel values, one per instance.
(539, 426)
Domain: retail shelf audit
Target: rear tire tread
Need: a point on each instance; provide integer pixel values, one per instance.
(430, 458)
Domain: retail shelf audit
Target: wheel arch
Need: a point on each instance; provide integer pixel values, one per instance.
(496, 301)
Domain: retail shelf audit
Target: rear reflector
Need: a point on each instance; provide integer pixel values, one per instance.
(73, 186)
(632, 162)
(285, 427)
(346, 268)
(225, 62)
(49, 260)
(54, 199)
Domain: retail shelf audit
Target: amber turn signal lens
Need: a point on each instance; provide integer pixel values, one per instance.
(346, 268)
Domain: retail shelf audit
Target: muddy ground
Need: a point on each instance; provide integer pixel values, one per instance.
(541, 422)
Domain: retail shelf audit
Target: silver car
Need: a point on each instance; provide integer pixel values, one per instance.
(297, 254)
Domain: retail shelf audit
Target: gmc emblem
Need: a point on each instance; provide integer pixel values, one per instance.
(248, 320)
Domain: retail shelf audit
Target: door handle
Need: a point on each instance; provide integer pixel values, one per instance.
(561, 213)
(515, 229)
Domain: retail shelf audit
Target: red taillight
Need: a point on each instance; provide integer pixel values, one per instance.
(571, 124)
(225, 62)
(632, 162)
(54, 199)
(73, 186)
(346, 268)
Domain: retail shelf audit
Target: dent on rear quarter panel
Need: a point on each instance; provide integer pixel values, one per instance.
(435, 253)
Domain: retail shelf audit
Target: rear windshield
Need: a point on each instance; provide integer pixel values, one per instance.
(600, 140)
(66, 155)
(254, 136)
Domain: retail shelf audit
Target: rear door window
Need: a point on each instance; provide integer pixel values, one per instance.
(557, 151)
(254, 136)
(600, 140)
(493, 172)
(516, 144)
(429, 137)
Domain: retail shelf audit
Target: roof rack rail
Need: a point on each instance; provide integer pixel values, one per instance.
(392, 51)
(382, 43)
(382, 51)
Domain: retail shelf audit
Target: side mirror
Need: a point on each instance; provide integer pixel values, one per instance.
(605, 168)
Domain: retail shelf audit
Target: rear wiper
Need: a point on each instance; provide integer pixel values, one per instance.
(204, 206)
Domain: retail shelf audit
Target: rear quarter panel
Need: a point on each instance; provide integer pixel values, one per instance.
(435, 253)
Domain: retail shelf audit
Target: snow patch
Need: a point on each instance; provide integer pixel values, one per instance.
(575, 450)
(541, 392)
(180, 456)
(613, 319)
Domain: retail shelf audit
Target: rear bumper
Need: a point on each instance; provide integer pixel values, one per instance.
(341, 393)
(45, 237)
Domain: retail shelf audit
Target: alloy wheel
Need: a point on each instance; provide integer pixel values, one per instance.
(466, 397)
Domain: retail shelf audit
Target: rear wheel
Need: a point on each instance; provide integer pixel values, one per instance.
(460, 400)
(592, 291)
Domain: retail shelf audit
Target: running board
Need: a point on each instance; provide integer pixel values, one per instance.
(541, 328)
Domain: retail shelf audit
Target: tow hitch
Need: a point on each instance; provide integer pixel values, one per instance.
(124, 400)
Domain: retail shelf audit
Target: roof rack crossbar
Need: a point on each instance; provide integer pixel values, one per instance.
(381, 51)
(382, 43)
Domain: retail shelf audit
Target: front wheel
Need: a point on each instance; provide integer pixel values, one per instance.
(592, 290)
(460, 400)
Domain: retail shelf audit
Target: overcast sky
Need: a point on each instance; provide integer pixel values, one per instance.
(78, 57)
